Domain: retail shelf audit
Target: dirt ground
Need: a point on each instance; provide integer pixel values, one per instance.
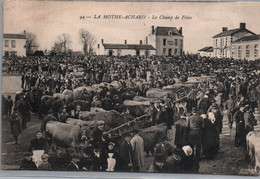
(230, 160)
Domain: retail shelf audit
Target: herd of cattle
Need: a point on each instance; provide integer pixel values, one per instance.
(69, 134)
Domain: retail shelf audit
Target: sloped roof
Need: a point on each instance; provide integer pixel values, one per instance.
(230, 32)
(14, 36)
(165, 30)
(129, 46)
(248, 38)
(206, 49)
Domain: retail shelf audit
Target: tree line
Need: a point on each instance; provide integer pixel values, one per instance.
(63, 43)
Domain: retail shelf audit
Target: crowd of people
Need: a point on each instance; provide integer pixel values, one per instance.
(234, 88)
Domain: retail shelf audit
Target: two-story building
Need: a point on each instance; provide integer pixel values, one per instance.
(14, 44)
(246, 47)
(222, 42)
(167, 41)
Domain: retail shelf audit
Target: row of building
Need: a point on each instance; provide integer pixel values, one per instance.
(239, 43)
(166, 41)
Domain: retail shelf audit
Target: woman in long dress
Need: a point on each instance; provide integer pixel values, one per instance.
(211, 136)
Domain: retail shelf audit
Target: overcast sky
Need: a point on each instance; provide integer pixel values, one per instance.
(49, 19)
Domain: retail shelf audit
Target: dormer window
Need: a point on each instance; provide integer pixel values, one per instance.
(170, 33)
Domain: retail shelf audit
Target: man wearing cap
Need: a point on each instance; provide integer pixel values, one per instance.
(125, 161)
(45, 165)
(240, 126)
(27, 163)
(230, 106)
(74, 164)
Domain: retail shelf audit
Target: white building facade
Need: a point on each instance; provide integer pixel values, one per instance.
(167, 41)
(124, 49)
(222, 42)
(246, 48)
(14, 45)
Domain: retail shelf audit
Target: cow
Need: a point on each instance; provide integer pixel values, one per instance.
(79, 122)
(64, 135)
(158, 93)
(112, 118)
(140, 98)
(136, 108)
(253, 149)
(152, 136)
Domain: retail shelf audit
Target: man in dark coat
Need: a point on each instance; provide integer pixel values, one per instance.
(27, 163)
(15, 122)
(125, 155)
(24, 110)
(98, 133)
(195, 126)
(9, 106)
(74, 165)
(181, 135)
(240, 137)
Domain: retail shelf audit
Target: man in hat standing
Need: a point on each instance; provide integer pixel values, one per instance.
(9, 106)
(230, 106)
(137, 144)
(125, 161)
(240, 126)
(98, 133)
(195, 126)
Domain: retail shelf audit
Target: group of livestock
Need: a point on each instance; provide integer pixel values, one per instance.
(69, 134)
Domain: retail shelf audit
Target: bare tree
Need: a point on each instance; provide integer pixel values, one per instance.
(64, 41)
(87, 40)
(57, 47)
(31, 43)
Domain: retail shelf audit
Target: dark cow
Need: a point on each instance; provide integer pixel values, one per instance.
(152, 136)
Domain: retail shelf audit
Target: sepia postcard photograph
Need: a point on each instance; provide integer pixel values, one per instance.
(134, 87)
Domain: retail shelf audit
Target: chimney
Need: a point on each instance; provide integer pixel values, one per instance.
(102, 41)
(224, 29)
(152, 29)
(242, 25)
(146, 40)
(125, 41)
(180, 30)
(141, 42)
